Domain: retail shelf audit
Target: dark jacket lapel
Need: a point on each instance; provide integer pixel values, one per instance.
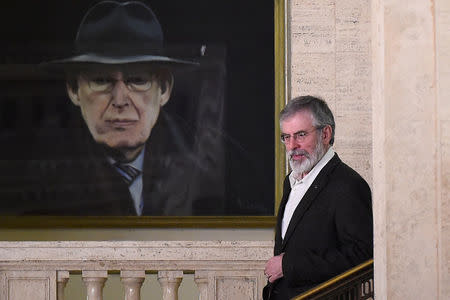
(110, 187)
(167, 172)
(286, 192)
(318, 184)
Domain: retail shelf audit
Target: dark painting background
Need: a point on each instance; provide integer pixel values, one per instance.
(229, 101)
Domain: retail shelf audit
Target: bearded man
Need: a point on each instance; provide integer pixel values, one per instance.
(324, 224)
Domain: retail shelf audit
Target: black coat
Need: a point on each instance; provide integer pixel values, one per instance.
(330, 231)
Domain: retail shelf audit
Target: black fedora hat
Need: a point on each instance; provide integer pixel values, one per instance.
(113, 32)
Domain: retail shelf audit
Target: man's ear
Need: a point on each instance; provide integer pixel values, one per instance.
(166, 89)
(326, 134)
(73, 95)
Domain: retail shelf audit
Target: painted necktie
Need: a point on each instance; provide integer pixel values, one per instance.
(128, 173)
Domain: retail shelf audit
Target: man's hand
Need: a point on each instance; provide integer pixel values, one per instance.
(274, 269)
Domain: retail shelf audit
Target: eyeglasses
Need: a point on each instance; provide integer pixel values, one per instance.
(106, 83)
(299, 136)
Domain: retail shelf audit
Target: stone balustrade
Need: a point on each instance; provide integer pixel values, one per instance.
(222, 269)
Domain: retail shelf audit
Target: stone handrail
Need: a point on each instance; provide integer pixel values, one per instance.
(222, 269)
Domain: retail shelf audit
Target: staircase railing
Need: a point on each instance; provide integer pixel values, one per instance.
(355, 284)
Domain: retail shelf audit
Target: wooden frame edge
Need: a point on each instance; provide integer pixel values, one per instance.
(17, 222)
(280, 94)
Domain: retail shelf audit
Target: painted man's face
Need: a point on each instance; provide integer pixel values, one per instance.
(120, 107)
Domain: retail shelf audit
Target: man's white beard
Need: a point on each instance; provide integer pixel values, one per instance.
(309, 161)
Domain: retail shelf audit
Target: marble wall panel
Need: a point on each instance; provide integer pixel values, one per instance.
(28, 285)
(442, 13)
(330, 57)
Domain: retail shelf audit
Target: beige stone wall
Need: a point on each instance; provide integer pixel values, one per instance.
(442, 14)
(410, 111)
(384, 67)
(329, 50)
(409, 151)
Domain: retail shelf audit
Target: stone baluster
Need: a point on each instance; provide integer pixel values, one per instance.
(94, 282)
(170, 282)
(132, 281)
(201, 279)
(62, 278)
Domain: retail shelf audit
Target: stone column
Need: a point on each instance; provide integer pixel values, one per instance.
(201, 279)
(62, 278)
(411, 130)
(132, 281)
(94, 282)
(170, 282)
(442, 14)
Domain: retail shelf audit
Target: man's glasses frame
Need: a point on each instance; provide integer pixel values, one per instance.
(105, 83)
(298, 136)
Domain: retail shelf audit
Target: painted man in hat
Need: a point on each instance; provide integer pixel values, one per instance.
(128, 158)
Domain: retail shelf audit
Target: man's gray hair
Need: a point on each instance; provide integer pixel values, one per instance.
(320, 112)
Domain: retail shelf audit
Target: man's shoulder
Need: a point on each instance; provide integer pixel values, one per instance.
(345, 172)
(343, 178)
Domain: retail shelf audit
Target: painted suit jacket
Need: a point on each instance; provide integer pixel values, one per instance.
(68, 174)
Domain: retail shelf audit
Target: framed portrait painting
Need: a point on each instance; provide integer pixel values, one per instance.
(140, 113)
